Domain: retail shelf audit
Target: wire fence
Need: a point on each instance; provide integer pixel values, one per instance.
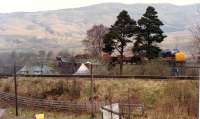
(69, 106)
(153, 68)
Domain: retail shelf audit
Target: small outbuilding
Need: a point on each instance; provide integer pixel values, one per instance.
(82, 70)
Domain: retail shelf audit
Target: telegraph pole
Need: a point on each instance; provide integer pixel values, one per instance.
(92, 91)
(199, 84)
(129, 105)
(15, 81)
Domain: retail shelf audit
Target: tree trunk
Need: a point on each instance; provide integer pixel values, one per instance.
(121, 63)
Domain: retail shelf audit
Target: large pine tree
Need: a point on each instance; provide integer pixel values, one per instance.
(150, 34)
(119, 35)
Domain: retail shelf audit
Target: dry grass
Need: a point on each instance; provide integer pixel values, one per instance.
(163, 99)
(37, 87)
(162, 68)
(153, 67)
(28, 114)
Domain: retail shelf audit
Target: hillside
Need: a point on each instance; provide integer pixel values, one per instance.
(64, 29)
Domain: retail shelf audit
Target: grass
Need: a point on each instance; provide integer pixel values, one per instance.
(38, 87)
(163, 99)
(25, 113)
(159, 67)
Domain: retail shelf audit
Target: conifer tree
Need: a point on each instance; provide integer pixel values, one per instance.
(120, 35)
(150, 34)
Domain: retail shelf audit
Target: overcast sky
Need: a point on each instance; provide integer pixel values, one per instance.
(7, 6)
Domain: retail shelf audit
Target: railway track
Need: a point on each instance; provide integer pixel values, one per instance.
(116, 77)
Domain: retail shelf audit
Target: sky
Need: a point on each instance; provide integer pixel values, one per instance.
(8, 6)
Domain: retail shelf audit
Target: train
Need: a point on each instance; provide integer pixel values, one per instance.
(175, 55)
(165, 55)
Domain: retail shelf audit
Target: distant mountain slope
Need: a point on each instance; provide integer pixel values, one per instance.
(66, 28)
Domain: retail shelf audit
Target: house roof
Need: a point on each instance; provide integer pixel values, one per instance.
(43, 69)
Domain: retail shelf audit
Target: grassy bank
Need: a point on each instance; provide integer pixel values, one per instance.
(79, 89)
(174, 99)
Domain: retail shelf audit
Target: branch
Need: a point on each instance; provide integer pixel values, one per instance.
(117, 49)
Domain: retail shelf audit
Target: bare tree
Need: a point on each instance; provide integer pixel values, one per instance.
(94, 39)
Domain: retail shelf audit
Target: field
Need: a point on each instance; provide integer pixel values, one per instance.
(163, 99)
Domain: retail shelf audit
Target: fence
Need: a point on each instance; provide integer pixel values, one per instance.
(159, 68)
(125, 111)
(46, 104)
(150, 68)
(128, 111)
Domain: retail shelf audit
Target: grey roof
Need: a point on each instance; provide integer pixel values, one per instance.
(35, 69)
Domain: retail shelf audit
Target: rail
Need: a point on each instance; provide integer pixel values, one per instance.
(116, 77)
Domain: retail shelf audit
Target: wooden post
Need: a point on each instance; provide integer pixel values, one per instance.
(120, 111)
(15, 81)
(110, 101)
(143, 109)
(102, 115)
(121, 64)
(129, 106)
(199, 84)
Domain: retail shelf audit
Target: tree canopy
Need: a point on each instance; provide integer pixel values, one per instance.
(149, 35)
(119, 35)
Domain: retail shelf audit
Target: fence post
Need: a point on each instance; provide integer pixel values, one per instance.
(111, 108)
(129, 106)
(102, 115)
(120, 115)
(86, 107)
(143, 109)
(199, 83)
